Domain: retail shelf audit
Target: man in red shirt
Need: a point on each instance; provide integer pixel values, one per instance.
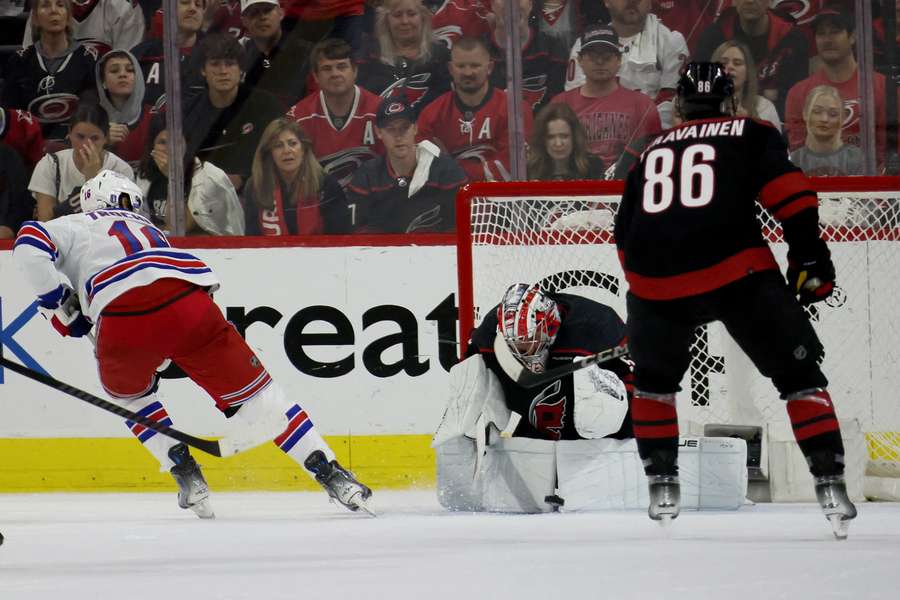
(612, 115)
(471, 121)
(835, 38)
(340, 117)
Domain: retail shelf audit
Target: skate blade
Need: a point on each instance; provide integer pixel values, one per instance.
(203, 509)
(839, 527)
(363, 505)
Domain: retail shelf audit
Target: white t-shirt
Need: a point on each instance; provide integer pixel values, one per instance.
(767, 112)
(651, 60)
(43, 180)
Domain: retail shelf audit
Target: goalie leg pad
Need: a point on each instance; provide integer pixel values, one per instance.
(474, 391)
(608, 474)
(515, 476)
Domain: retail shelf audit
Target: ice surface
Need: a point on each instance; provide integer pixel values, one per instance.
(270, 546)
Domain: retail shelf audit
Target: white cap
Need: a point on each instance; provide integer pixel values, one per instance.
(247, 3)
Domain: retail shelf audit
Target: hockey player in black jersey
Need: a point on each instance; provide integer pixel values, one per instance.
(693, 252)
(545, 330)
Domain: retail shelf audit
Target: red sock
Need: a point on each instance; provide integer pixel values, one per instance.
(812, 414)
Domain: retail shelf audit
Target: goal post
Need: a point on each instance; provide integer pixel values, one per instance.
(560, 234)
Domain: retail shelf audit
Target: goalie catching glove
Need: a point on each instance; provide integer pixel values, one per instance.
(62, 308)
(811, 279)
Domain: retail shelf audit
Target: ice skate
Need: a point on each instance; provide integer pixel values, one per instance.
(665, 498)
(193, 493)
(340, 483)
(831, 492)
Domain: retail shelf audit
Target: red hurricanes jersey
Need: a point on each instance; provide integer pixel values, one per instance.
(613, 121)
(340, 147)
(319, 10)
(689, 17)
(478, 137)
(456, 18)
(21, 131)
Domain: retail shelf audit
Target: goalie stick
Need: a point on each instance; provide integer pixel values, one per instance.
(527, 379)
(210, 447)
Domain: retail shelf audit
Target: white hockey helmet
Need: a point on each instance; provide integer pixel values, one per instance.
(110, 190)
(529, 320)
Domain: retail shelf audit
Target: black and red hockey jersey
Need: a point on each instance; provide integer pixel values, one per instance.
(587, 327)
(688, 224)
(21, 131)
(150, 56)
(420, 81)
(50, 93)
(544, 61)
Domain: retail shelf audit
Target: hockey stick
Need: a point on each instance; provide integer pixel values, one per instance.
(207, 446)
(522, 376)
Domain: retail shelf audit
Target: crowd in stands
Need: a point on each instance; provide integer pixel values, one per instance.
(365, 116)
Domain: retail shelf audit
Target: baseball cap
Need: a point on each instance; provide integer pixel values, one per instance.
(836, 17)
(394, 108)
(245, 4)
(601, 38)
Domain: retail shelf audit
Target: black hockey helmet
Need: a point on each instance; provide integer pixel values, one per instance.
(702, 88)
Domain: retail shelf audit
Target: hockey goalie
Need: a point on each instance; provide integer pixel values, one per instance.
(567, 444)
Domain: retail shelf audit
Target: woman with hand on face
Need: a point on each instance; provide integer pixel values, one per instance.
(289, 192)
(738, 62)
(558, 150)
(213, 206)
(58, 177)
(825, 154)
(120, 91)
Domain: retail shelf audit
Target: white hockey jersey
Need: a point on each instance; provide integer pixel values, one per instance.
(103, 24)
(102, 254)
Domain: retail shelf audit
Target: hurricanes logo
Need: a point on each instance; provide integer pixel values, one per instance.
(53, 108)
(547, 412)
(413, 87)
(343, 164)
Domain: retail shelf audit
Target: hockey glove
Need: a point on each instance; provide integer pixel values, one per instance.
(62, 308)
(811, 279)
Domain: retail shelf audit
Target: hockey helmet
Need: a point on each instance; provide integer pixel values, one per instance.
(110, 190)
(704, 83)
(529, 321)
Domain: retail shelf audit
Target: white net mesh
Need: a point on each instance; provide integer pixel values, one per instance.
(565, 242)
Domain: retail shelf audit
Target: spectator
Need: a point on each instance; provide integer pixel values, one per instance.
(689, 17)
(21, 131)
(219, 16)
(121, 94)
(290, 193)
(228, 119)
(778, 47)
(471, 121)
(340, 117)
(273, 62)
(824, 153)
(213, 206)
(652, 54)
(835, 40)
(611, 114)
(738, 62)
(452, 20)
(560, 20)
(412, 189)
(543, 56)
(403, 55)
(47, 78)
(16, 205)
(346, 17)
(558, 148)
(102, 25)
(58, 177)
(150, 55)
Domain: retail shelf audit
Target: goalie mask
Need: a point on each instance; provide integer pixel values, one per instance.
(528, 319)
(110, 190)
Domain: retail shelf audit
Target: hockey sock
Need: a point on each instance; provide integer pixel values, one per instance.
(817, 431)
(157, 444)
(656, 429)
(301, 438)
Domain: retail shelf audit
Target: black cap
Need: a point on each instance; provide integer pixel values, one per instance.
(840, 19)
(394, 108)
(601, 37)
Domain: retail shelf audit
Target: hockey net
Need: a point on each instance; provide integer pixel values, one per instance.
(560, 234)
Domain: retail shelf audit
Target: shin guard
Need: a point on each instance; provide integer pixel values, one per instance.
(817, 431)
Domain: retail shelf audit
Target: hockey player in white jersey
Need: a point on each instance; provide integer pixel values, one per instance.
(109, 269)
(567, 444)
